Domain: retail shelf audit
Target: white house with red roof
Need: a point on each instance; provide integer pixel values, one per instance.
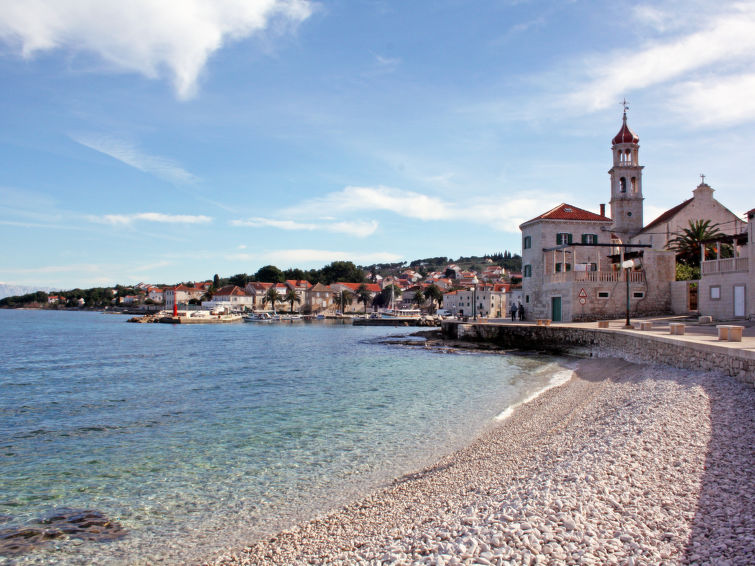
(156, 294)
(571, 257)
(231, 297)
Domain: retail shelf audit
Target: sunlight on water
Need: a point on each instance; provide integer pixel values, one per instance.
(200, 438)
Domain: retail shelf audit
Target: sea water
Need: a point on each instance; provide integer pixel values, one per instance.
(200, 438)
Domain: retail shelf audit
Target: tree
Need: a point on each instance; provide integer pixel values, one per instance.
(434, 295)
(216, 281)
(272, 296)
(386, 294)
(687, 272)
(343, 299)
(363, 296)
(240, 280)
(687, 243)
(294, 273)
(292, 297)
(269, 274)
(419, 297)
(341, 271)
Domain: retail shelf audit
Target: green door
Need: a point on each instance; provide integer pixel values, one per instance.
(556, 309)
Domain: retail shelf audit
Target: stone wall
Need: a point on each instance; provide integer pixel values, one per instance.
(595, 342)
(680, 297)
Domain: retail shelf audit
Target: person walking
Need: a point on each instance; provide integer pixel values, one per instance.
(513, 311)
(521, 311)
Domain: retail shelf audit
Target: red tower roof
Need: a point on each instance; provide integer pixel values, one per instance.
(625, 135)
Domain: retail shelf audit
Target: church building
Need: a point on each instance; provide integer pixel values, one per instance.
(578, 265)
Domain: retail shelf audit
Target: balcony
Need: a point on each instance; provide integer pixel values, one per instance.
(728, 265)
(594, 277)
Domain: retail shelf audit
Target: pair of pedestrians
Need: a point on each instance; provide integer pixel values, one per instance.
(517, 310)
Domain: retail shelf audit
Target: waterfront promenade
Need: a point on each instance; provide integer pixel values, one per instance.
(698, 348)
(626, 463)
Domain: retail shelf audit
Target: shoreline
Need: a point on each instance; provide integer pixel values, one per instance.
(624, 463)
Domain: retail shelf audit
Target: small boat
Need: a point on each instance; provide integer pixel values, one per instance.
(258, 317)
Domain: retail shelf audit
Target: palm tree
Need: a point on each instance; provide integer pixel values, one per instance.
(419, 297)
(272, 296)
(342, 299)
(291, 297)
(435, 295)
(363, 296)
(687, 243)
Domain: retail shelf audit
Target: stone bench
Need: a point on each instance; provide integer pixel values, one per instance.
(676, 328)
(602, 324)
(730, 332)
(646, 325)
(543, 321)
(705, 319)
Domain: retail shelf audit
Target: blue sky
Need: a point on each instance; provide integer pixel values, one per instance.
(167, 141)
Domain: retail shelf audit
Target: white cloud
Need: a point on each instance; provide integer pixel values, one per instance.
(311, 257)
(130, 155)
(719, 101)
(405, 203)
(360, 229)
(503, 213)
(167, 37)
(127, 219)
(728, 40)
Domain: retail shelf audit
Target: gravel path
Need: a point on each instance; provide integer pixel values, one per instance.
(625, 464)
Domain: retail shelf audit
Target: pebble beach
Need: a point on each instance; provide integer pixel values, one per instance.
(624, 464)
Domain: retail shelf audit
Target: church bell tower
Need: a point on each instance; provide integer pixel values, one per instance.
(626, 182)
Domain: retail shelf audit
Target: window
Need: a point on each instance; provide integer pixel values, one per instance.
(623, 185)
(528, 271)
(563, 238)
(589, 238)
(527, 244)
(715, 293)
(526, 298)
(560, 267)
(604, 294)
(638, 294)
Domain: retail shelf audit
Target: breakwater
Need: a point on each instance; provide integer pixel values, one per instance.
(595, 342)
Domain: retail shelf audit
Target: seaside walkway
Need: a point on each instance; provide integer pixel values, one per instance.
(698, 348)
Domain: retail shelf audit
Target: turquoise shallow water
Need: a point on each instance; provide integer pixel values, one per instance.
(199, 438)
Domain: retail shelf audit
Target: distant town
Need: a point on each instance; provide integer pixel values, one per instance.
(340, 287)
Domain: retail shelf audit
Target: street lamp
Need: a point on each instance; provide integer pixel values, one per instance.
(627, 265)
(474, 301)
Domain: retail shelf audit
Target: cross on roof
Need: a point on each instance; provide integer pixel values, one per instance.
(625, 104)
(702, 177)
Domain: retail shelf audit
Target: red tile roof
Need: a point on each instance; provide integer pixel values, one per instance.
(371, 287)
(568, 212)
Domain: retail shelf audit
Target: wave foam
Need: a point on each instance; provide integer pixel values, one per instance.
(559, 378)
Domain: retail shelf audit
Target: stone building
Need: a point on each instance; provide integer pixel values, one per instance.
(727, 286)
(491, 300)
(572, 258)
(702, 206)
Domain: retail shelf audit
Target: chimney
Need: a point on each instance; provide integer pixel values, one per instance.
(602, 209)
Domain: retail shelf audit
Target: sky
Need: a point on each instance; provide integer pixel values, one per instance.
(168, 141)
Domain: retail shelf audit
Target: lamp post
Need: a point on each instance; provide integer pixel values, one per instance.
(627, 265)
(474, 301)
